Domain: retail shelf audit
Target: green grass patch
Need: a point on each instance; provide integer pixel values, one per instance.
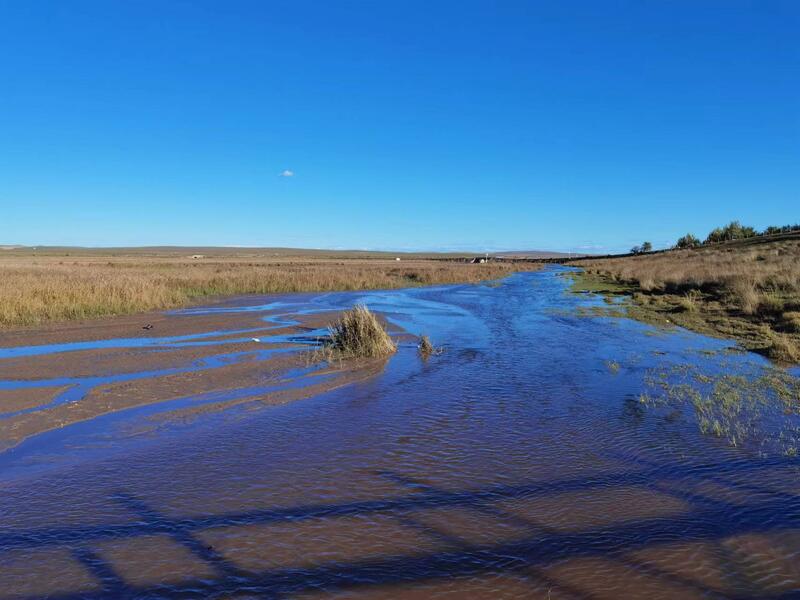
(587, 283)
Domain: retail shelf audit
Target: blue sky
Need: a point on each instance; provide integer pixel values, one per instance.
(406, 125)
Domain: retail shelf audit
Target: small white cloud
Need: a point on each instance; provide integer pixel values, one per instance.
(287, 173)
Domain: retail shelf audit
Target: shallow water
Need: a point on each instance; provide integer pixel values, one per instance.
(518, 463)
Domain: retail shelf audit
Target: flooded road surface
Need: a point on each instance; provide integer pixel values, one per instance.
(548, 452)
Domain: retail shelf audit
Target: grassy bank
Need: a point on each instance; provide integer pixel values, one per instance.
(38, 289)
(748, 291)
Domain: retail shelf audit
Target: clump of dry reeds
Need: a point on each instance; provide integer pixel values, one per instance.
(744, 293)
(689, 301)
(357, 334)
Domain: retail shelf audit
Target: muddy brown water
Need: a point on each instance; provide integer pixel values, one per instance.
(516, 464)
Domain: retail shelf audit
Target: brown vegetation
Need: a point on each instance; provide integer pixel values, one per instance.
(357, 334)
(37, 289)
(747, 290)
(427, 349)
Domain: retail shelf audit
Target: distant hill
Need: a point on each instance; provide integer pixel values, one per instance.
(224, 251)
(245, 252)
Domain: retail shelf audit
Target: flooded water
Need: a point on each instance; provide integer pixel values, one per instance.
(525, 461)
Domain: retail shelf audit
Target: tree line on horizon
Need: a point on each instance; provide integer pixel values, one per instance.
(732, 231)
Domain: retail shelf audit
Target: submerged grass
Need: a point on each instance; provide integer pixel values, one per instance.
(41, 289)
(759, 407)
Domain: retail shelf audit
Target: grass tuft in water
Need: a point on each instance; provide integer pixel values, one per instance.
(357, 334)
(427, 349)
(425, 346)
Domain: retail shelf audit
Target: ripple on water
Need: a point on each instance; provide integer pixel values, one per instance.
(514, 465)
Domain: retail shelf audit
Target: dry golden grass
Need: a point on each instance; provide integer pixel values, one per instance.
(749, 290)
(38, 289)
(742, 270)
(689, 302)
(783, 347)
(357, 334)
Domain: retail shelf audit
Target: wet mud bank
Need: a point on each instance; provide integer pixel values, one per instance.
(179, 363)
(550, 451)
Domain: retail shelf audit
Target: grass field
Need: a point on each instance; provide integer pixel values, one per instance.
(748, 290)
(63, 284)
